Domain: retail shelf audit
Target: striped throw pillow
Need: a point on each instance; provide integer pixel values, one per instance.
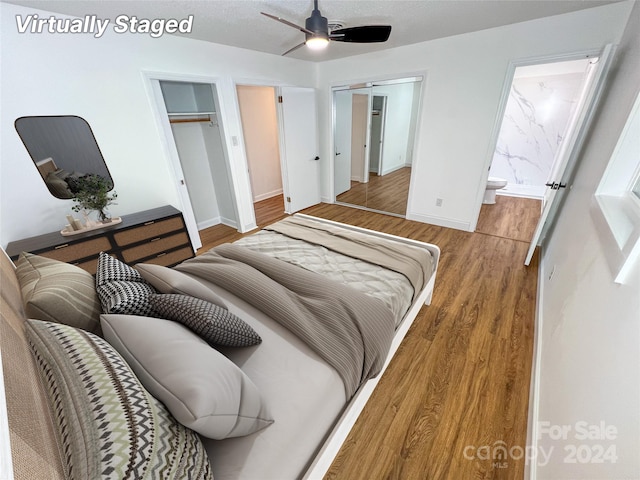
(58, 292)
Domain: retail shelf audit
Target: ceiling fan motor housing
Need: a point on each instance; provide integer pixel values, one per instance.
(317, 24)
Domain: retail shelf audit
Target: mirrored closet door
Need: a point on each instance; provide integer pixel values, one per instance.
(374, 139)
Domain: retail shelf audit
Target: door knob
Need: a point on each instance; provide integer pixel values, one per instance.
(317, 158)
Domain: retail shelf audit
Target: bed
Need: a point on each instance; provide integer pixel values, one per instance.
(301, 392)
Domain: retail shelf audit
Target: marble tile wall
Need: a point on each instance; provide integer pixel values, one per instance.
(534, 124)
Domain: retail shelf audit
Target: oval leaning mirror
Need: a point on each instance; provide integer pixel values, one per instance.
(63, 148)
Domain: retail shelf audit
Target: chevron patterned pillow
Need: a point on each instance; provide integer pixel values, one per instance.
(108, 424)
(121, 288)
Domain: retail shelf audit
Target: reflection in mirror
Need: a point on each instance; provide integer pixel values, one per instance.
(374, 136)
(63, 149)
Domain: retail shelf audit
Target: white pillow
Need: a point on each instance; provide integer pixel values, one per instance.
(202, 388)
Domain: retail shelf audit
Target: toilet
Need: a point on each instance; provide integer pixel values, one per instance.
(493, 184)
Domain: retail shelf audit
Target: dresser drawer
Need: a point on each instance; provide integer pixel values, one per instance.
(171, 258)
(154, 247)
(68, 253)
(147, 231)
(90, 266)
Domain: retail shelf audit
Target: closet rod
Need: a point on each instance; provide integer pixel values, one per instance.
(189, 120)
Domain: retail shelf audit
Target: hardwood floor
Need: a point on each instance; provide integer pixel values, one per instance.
(266, 211)
(387, 193)
(458, 387)
(510, 217)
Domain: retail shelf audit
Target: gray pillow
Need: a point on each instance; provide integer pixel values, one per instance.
(168, 280)
(213, 323)
(203, 389)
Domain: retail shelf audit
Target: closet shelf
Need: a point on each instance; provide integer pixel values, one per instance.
(189, 114)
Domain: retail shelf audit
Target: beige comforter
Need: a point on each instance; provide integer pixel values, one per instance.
(414, 263)
(351, 331)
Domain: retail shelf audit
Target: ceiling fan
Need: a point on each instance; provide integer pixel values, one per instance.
(317, 34)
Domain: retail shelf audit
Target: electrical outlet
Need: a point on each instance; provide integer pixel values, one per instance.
(438, 202)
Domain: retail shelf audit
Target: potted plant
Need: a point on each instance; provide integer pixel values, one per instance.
(91, 192)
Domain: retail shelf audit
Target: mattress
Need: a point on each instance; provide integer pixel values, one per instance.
(393, 288)
(300, 389)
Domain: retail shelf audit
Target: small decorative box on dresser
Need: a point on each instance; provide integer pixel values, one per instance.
(154, 236)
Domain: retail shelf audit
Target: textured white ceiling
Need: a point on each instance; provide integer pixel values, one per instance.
(239, 23)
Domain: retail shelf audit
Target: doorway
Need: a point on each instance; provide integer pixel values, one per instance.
(259, 120)
(541, 105)
(542, 102)
(592, 69)
(197, 132)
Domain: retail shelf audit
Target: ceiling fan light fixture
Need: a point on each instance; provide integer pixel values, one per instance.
(317, 42)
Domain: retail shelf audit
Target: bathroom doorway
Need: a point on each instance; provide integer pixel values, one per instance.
(541, 104)
(589, 70)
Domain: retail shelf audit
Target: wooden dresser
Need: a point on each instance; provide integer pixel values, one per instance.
(154, 236)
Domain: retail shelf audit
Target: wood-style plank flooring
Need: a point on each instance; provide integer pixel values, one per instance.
(387, 193)
(510, 217)
(460, 380)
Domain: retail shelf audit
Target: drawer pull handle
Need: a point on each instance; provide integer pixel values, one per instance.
(150, 223)
(154, 239)
(62, 246)
(161, 254)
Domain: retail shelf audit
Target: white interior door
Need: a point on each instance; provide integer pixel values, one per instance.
(299, 148)
(565, 161)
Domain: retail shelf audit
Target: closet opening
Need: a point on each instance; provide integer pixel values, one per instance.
(197, 130)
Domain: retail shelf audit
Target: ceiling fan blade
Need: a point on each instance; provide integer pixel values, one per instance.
(294, 48)
(363, 34)
(287, 22)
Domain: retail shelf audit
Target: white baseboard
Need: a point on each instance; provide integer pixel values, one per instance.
(530, 472)
(264, 196)
(391, 170)
(208, 223)
(229, 222)
(534, 192)
(440, 221)
(212, 222)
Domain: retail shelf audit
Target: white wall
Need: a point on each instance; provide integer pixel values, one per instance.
(465, 75)
(397, 124)
(260, 128)
(102, 81)
(590, 327)
(220, 174)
